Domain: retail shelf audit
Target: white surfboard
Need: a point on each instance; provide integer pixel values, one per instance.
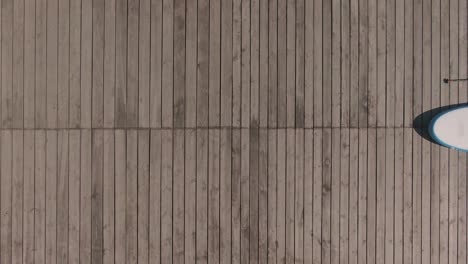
(450, 128)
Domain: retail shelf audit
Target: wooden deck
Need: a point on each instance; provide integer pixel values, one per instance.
(233, 131)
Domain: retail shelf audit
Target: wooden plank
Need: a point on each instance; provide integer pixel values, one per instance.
(390, 65)
(399, 61)
(426, 201)
(381, 194)
(453, 52)
(363, 73)
(426, 60)
(344, 178)
(6, 205)
(143, 195)
(98, 40)
(7, 63)
(345, 50)
(245, 64)
(155, 64)
(281, 196)
(254, 63)
(41, 60)
(308, 195)
(179, 63)
(335, 196)
(203, 62)
(191, 64)
(131, 204)
(17, 197)
(444, 206)
(28, 197)
(453, 207)
(273, 63)
(300, 64)
(362, 196)
(178, 194)
(202, 196)
(18, 64)
(381, 62)
(407, 196)
(52, 67)
(62, 195)
(327, 63)
(29, 63)
(263, 62)
(85, 196)
(399, 203)
(254, 149)
(461, 221)
(282, 58)
(225, 195)
(190, 195)
(155, 197)
(213, 195)
(108, 197)
(39, 197)
(75, 66)
(390, 195)
(326, 195)
(417, 196)
(121, 63)
(51, 197)
(109, 63)
(417, 60)
(144, 48)
(317, 199)
(408, 64)
(353, 195)
(73, 196)
(132, 63)
(336, 58)
(435, 202)
(371, 194)
(436, 56)
(272, 201)
(63, 74)
(167, 64)
(372, 64)
(86, 62)
(354, 67)
(97, 169)
(245, 238)
(462, 52)
(214, 64)
(299, 193)
(236, 196)
(290, 62)
(120, 196)
(290, 189)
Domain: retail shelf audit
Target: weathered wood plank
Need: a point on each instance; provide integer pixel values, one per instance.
(155, 64)
(236, 62)
(225, 183)
(109, 63)
(282, 58)
(63, 92)
(263, 64)
(290, 62)
(354, 67)
(143, 195)
(344, 178)
(39, 198)
(281, 196)
(381, 62)
(62, 195)
(97, 169)
(327, 64)
(213, 195)
(335, 195)
(28, 197)
(417, 61)
(73, 195)
(290, 189)
(155, 197)
(326, 195)
(30, 63)
(381, 194)
(86, 62)
(408, 63)
(179, 63)
(85, 196)
(226, 82)
(97, 99)
(390, 38)
(51, 197)
(399, 62)
(417, 196)
(40, 63)
(272, 191)
(191, 195)
(75, 66)
(167, 64)
(253, 193)
(390, 195)
(203, 62)
(353, 195)
(214, 107)
(6, 197)
(178, 194)
(407, 196)
(254, 63)
(399, 203)
(144, 77)
(17, 156)
(121, 63)
(299, 193)
(372, 64)
(363, 52)
(108, 197)
(245, 197)
(317, 199)
(345, 49)
(371, 194)
(236, 196)
(167, 143)
(308, 195)
(18, 64)
(336, 58)
(7, 63)
(132, 63)
(272, 63)
(202, 196)
(120, 196)
(362, 196)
